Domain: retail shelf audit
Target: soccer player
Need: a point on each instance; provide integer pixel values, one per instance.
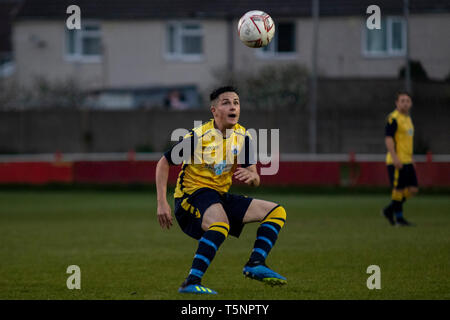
(399, 143)
(203, 207)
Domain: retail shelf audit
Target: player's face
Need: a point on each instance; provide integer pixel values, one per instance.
(226, 110)
(403, 103)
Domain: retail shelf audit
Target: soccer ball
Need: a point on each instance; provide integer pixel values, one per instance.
(256, 29)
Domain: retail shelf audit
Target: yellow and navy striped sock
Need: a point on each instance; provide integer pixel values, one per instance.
(267, 234)
(397, 203)
(207, 248)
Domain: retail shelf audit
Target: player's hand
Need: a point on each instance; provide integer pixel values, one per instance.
(164, 215)
(397, 163)
(245, 176)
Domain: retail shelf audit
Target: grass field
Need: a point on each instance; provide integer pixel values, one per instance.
(324, 250)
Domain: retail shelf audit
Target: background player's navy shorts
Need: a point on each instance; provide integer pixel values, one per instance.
(405, 177)
(189, 210)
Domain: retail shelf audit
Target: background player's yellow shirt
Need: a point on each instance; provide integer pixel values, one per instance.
(214, 160)
(401, 128)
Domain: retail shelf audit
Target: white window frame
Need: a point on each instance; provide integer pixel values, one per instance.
(79, 34)
(272, 53)
(390, 52)
(178, 55)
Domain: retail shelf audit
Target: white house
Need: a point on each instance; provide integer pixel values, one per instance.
(174, 42)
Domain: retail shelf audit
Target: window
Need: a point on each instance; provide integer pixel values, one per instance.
(390, 40)
(283, 42)
(84, 44)
(184, 40)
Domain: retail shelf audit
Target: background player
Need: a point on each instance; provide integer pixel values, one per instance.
(399, 143)
(203, 207)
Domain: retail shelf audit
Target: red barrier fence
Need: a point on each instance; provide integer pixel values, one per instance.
(118, 172)
(300, 173)
(36, 172)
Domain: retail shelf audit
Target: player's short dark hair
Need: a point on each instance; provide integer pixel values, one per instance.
(217, 92)
(402, 93)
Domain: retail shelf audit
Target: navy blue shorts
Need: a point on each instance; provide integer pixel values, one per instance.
(189, 210)
(402, 178)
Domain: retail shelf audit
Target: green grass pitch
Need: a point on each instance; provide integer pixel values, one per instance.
(324, 249)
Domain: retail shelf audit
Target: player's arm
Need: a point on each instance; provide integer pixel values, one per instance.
(390, 145)
(163, 211)
(170, 158)
(248, 175)
(391, 128)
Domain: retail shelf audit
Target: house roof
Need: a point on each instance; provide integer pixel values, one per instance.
(164, 9)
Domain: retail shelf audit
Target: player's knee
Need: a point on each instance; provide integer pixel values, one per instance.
(278, 215)
(397, 194)
(214, 214)
(214, 219)
(410, 192)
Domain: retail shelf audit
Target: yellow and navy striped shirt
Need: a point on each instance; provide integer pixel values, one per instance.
(400, 127)
(213, 158)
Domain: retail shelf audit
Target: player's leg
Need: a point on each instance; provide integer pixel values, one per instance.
(412, 184)
(408, 193)
(410, 190)
(214, 214)
(395, 206)
(272, 218)
(216, 227)
(388, 211)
